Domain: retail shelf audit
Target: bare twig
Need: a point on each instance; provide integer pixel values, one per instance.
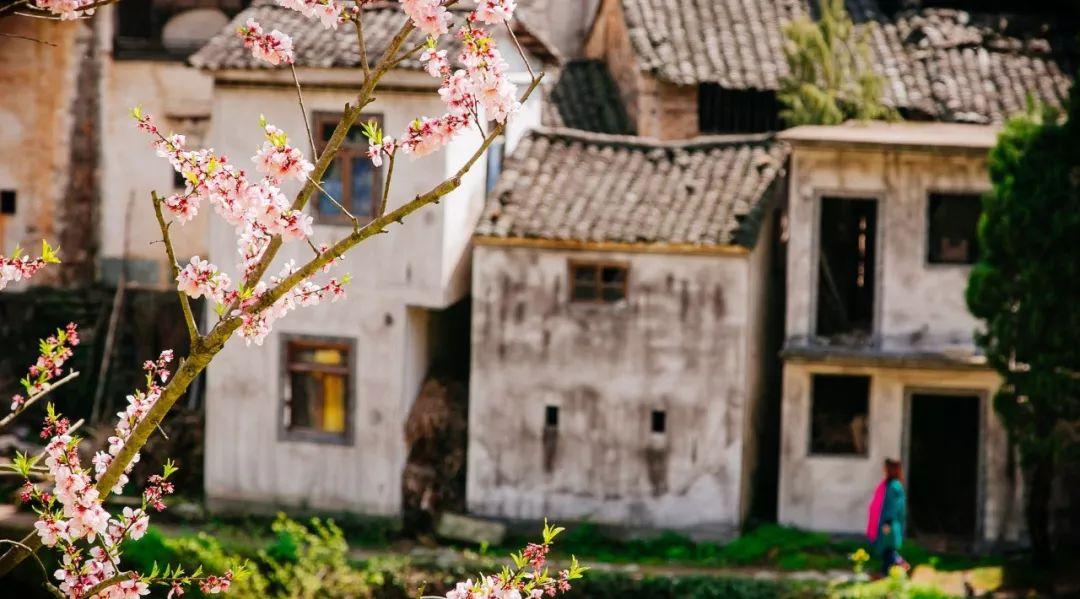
(520, 50)
(27, 38)
(340, 206)
(383, 201)
(34, 398)
(30, 551)
(303, 112)
(185, 303)
(359, 22)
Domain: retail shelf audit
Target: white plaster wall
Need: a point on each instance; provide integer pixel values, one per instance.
(678, 343)
(179, 98)
(247, 462)
(830, 493)
(919, 305)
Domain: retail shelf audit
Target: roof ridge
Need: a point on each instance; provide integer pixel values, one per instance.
(701, 141)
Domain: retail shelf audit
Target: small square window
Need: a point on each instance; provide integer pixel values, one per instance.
(551, 416)
(598, 282)
(7, 201)
(316, 390)
(658, 421)
(952, 219)
(839, 411)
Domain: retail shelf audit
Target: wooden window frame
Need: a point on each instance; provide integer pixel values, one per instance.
(287, 342)
(574, 265)
(346, 154)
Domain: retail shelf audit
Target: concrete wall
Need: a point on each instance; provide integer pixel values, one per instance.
(38, 82)
(658, 109)
(678, 343)
(920, 306)
(831, 492)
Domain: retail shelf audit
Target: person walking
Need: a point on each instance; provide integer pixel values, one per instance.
(887, 516)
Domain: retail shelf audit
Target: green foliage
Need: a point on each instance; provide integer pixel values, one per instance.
(300, 562)
(830, 79)
(895, 586)
(1026, 288)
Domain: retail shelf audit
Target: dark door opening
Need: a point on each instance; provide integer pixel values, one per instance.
(943, 465)
(846, 271)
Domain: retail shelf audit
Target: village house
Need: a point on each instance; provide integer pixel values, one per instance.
(314, 416)
(620, 293)
(879, 360)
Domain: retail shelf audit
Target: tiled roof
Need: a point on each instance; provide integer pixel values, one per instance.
(585, 97)
(568, 185)
(315, 46)
(941, 63)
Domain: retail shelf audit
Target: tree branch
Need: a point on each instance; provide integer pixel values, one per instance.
(383, 201)
(185, 303)
(33, 398)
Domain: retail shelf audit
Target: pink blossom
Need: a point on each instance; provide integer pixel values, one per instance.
(279, 160)
(201, 278)
(429, 16)
(328, 12)
(435, 62)
(493, 12)
(275, 47)
(67, 9)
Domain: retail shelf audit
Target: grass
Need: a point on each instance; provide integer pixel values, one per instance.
(767, 546)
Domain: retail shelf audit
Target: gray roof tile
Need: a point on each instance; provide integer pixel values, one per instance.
(569, 185)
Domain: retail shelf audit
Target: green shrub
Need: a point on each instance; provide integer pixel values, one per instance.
(611, 585)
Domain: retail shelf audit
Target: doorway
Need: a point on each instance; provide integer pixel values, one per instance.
(943, 467)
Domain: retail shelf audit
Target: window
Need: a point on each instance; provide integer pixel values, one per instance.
(317, 389)
(838, 419)
(178, 180)
(596, 282)
(846, 266)
(495, 154)
(351, 179)
(658, 422)
(551, 417)
(7, 201)
(951, 222)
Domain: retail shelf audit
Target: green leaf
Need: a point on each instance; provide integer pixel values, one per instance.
(48, 253)
(136, 112)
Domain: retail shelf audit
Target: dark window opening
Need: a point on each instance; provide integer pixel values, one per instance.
(658, 422)
(838, 414)
(317, 388)
(737, 111)
(7, 201)
(951, 222)
(495, 154)
(551, 416)
(846, 271)
(597, 282)
(351, 180)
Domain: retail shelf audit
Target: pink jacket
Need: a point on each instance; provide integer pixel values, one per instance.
(873, 512)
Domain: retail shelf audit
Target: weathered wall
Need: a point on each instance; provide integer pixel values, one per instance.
(658, 109)
(39, 83)
(920, 306)
(831, 492)
(679, 343)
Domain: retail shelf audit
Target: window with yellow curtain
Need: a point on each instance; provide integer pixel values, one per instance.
(317, 388)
